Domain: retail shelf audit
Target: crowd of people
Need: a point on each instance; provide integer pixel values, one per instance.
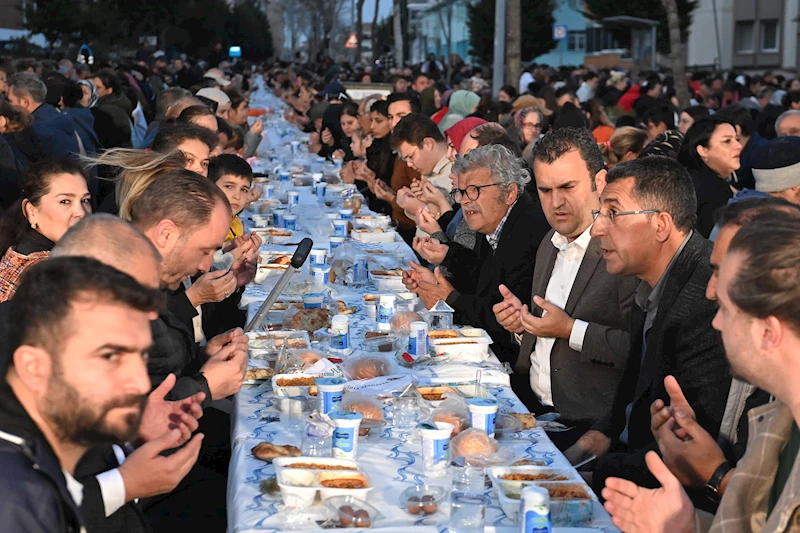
(635, 264)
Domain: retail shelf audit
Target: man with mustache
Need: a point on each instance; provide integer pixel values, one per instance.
(644, 226)
(78, 336)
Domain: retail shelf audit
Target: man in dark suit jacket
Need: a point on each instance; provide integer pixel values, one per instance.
(490, 189)
(575, 344)
(645, 229)
(27, 93)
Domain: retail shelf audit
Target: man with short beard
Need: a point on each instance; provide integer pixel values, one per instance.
(78, 335)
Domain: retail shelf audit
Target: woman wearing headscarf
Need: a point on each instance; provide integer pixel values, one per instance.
(89, 93)
(444, 109)
(462, 104)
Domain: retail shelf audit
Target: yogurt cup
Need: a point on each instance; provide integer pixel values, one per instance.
(346, 214)
(418, 339)
(269, 192)
(318, 256)
(435, 448)
(320, 274)
(345, 434)
(321, 188)
(385, 311)
(340, 227)
(330, 392)
(482, 413)
(293, 198)
(261, 221)
(335, 242)
(313, 301)
(290, 222)
(284, 175)
(277, 217)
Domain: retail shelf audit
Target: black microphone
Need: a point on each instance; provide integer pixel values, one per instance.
(301, 254)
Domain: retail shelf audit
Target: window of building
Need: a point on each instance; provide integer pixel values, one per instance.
(770, 34)
(743, 36)
(576, 41)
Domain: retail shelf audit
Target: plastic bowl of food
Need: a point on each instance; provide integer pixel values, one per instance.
(422, 499)
(505, 426)
(350, 511)
(385, 343)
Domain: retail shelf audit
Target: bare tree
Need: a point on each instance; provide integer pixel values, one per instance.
(676, 53)
(397, 27)
(359, 27)
(513, 41)
(446, 23)
(373, 33)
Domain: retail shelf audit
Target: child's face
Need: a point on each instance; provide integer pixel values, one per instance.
(236, 189)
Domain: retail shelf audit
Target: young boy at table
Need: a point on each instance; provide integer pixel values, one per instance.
(234, 176)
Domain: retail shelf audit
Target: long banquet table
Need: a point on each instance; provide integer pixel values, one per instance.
(392, 461)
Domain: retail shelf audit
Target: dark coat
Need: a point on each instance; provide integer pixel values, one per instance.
(584, 384)
(84, 125)
(680, 343)
(174, 351)
(112, 121)
(712, 193)
(33, 491)
(127, 519)
(511, 265)
(56, 130)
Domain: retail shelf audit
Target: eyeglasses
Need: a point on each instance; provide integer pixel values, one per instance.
(613, 214)
(472, 192)
(410, 156)
(527, 126)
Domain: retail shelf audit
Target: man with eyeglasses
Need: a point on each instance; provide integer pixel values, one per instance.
(418, 142)
(574, 341)
(644, 225)
(490, 186)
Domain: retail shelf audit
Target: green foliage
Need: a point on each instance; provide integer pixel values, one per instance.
(653, 10)
(190, 25)
(537, 29)
(250, 30)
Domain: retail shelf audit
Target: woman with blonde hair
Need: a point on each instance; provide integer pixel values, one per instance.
(136, 170)
(625, 145)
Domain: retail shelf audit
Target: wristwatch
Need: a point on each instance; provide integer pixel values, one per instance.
(712, 485)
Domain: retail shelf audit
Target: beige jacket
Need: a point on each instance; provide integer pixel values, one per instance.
(744, 507)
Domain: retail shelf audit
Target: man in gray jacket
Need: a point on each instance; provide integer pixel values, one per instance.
(574, 343)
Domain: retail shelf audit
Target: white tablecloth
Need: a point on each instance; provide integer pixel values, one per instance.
(392, 463)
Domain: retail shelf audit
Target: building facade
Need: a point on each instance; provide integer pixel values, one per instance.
(745, 35)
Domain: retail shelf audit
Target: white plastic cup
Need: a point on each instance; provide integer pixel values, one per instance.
(293, 198)
(277, 217)
(335, 242)
(346, 214)
(295, 147)
(436, 449)
(345, 434)
(284, 175)
(329, 391)
(320, 274)
(290, 222)
(340, 227)
(340, 334)
(385, 311)
(269, 191)
(313, 301)
(483, 413)
(418, 339)
(371, 308)
(321, 188)
(318, 257)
